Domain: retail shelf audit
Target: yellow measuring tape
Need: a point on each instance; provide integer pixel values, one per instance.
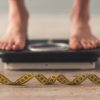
(51, 80)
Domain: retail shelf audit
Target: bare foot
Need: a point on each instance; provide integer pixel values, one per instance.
(15, 39)
(81, 37)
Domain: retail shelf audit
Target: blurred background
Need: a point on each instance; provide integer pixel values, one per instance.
(50, 18)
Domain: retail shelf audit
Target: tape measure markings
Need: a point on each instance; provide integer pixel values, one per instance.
(62, 79)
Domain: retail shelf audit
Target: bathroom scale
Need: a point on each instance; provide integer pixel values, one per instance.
(49, 54)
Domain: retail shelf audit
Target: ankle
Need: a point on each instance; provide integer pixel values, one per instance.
(78, 16)
(79, 20)
(23, 14)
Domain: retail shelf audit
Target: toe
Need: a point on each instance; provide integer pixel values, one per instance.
(89, 45)
(4, 45)
(0, 44)
(17, 46)
(94, 44)
(84, 44)
(9, 46)
(75, 44)
(97, 42)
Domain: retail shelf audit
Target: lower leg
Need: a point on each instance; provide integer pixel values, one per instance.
(17, 29)
(81, 36)
(80, 10)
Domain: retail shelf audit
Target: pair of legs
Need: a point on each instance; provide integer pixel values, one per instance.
(81, 36)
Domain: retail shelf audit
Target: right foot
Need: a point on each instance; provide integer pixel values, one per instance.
(16, 36)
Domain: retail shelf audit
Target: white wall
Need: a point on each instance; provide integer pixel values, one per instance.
(50, 6)
(48, 17)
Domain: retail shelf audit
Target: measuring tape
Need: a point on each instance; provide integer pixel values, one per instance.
(79, 79)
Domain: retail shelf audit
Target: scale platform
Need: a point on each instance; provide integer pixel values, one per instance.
(49, 54)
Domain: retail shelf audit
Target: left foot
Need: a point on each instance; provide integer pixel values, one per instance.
(81, 37)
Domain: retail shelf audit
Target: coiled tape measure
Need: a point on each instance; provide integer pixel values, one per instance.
(62, 79)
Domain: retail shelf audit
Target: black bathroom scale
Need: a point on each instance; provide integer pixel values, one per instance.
(49, 54)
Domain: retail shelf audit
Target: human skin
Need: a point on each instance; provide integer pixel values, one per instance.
(81, 35)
